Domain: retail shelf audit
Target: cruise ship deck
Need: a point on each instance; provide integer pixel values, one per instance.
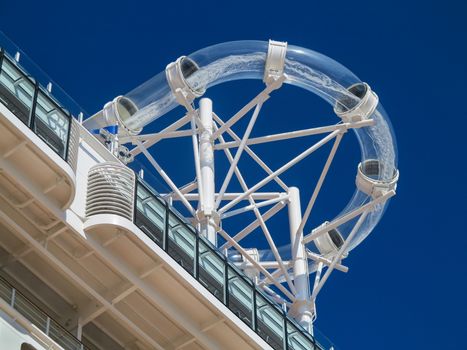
(91, 257)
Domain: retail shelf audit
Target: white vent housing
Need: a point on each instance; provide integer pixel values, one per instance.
(111, 190)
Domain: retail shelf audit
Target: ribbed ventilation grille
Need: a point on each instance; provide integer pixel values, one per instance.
(73, 144)
(111, 190)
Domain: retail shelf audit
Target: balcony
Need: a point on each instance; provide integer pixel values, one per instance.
(110, 195)
(39, 140)
(211, 269)
(46, 325)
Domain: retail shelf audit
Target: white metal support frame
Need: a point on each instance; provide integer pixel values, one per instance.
(286, 280)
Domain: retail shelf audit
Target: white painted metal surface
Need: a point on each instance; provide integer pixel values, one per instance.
(324, 248)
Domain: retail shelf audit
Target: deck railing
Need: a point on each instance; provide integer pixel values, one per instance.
(160, 222)
(34, 106)
(39, 318)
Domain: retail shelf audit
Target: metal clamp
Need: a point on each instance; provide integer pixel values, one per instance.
(330, 242)
(275, 61)
(367, 179)
(359, 105)
(116, 111)
(176, 73)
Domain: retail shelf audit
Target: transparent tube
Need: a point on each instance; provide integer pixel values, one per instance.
(304, 68)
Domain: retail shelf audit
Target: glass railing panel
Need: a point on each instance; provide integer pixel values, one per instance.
(51, 124)
(267, 319)
(62, 337)
(298, 340)
(29, 66)
(269, 322)
(240, 298)
(31, 312)
(5, 292)
(181, 243)
(211, 270)
(150, 215)
(16, 91)
(322, 342)
(39, 318)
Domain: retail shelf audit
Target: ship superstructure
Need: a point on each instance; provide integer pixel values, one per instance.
(92, 257)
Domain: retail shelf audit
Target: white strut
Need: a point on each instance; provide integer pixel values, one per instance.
(302, 308)
(206, 214)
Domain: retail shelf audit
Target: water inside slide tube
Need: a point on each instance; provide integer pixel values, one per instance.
(304, 68)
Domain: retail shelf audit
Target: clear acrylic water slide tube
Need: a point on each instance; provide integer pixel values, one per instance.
(304, 68)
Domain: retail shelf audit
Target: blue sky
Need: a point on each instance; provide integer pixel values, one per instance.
(407, 285)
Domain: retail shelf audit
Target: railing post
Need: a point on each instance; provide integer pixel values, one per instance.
(47, 326)
(196, 263)
(165, 242)
(135, 198)
(1, 58)
(255, 315)
(13, 297)
(226, 283)
(67, 145)
(32, 116)
(286, 340)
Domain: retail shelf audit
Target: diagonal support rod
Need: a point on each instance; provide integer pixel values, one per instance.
(282, 169)
(298, 133)
(260, 98)
(280, 198)
(318, 186)
(252, 154)
(174, 126)
(238, 154)
(260, 220)
(339, 254)
(166, 177)
(255, 224)
(247, 256)
(347, 217)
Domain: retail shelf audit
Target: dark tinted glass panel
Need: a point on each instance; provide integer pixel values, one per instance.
(62, 337)
(181, 243)
(150, 215)
(270, 322)
(240, 297)
(51, 124)
(30, 311)
(16, 91)
(297, 340)
(211, 271)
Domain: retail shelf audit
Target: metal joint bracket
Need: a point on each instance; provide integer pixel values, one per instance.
(176, 73)
(359, 105)
(114, 112)
(210, 216)
(275, 61)
(329, 243)
(368, 180)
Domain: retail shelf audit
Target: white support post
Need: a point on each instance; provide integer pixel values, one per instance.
(304, 314)
(259, 218)
(79, 330)
(206, 149)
